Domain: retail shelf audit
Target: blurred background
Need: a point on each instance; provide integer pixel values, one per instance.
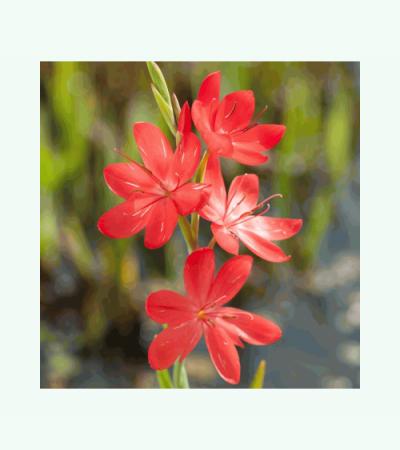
(94, 332)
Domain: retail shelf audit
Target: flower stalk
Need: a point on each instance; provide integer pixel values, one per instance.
(187, 233)
(199, 177)
(164, 379)
(180, 377)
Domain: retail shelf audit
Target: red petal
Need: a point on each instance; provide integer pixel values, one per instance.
(198, 275)
(249, 158)
(161, 224)
(256, 240)
(186, 158)
(250, 327)
(173, 343)
(223, 353)
(235, 112)
(247, 146)
(230, 279)
(185, 120)
(269, 135)
(125, 178)
(242, 196)
(225, 239)
(274, 228)
(169, 307)
(210, 87)
(259, 138)
(125, 219)
(201, 117)
(154, 149)
(190, 197)
(216, 205)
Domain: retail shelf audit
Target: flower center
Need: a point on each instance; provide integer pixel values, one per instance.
(202, 315)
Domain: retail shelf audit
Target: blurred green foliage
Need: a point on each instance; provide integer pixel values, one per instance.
(87, 110)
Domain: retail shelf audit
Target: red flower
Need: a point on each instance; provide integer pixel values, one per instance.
(234, 216)
(226, 126)
(202, 311)
(158, 192)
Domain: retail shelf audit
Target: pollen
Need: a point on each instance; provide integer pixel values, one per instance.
(202, 315)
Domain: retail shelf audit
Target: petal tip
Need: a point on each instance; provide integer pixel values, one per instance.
(210, 87)
(247, 260)
(139, 127)
(149, 245)
(102, 228)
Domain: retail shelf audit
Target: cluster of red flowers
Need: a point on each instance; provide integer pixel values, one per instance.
(159, 191)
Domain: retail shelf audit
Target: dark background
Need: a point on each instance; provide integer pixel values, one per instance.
(94, 332)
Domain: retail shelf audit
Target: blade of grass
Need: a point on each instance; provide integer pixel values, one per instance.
(258, 379)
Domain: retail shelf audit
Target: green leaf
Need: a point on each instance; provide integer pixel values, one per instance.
(158, 79)
(180, 376)
(176, 106)
(164, 379)
(166, 109)
(258, 379)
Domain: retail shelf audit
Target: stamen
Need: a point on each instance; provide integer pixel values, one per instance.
(267, 200)
(248, 215)
(249, 127)
(257, 116)
(229, 316)
(254, 123)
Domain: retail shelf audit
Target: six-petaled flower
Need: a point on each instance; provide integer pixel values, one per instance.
(157, 192)
(202, 312)
(236, 216)
(227, 126)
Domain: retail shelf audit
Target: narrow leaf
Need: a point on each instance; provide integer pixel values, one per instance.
(258, 379)
(176, 106)
(166, 110)
(158, 79)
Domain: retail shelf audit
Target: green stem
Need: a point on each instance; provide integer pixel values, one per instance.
(187, 233)
(199, 178)
(180, 376)
(164, 379)
(211, 243)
